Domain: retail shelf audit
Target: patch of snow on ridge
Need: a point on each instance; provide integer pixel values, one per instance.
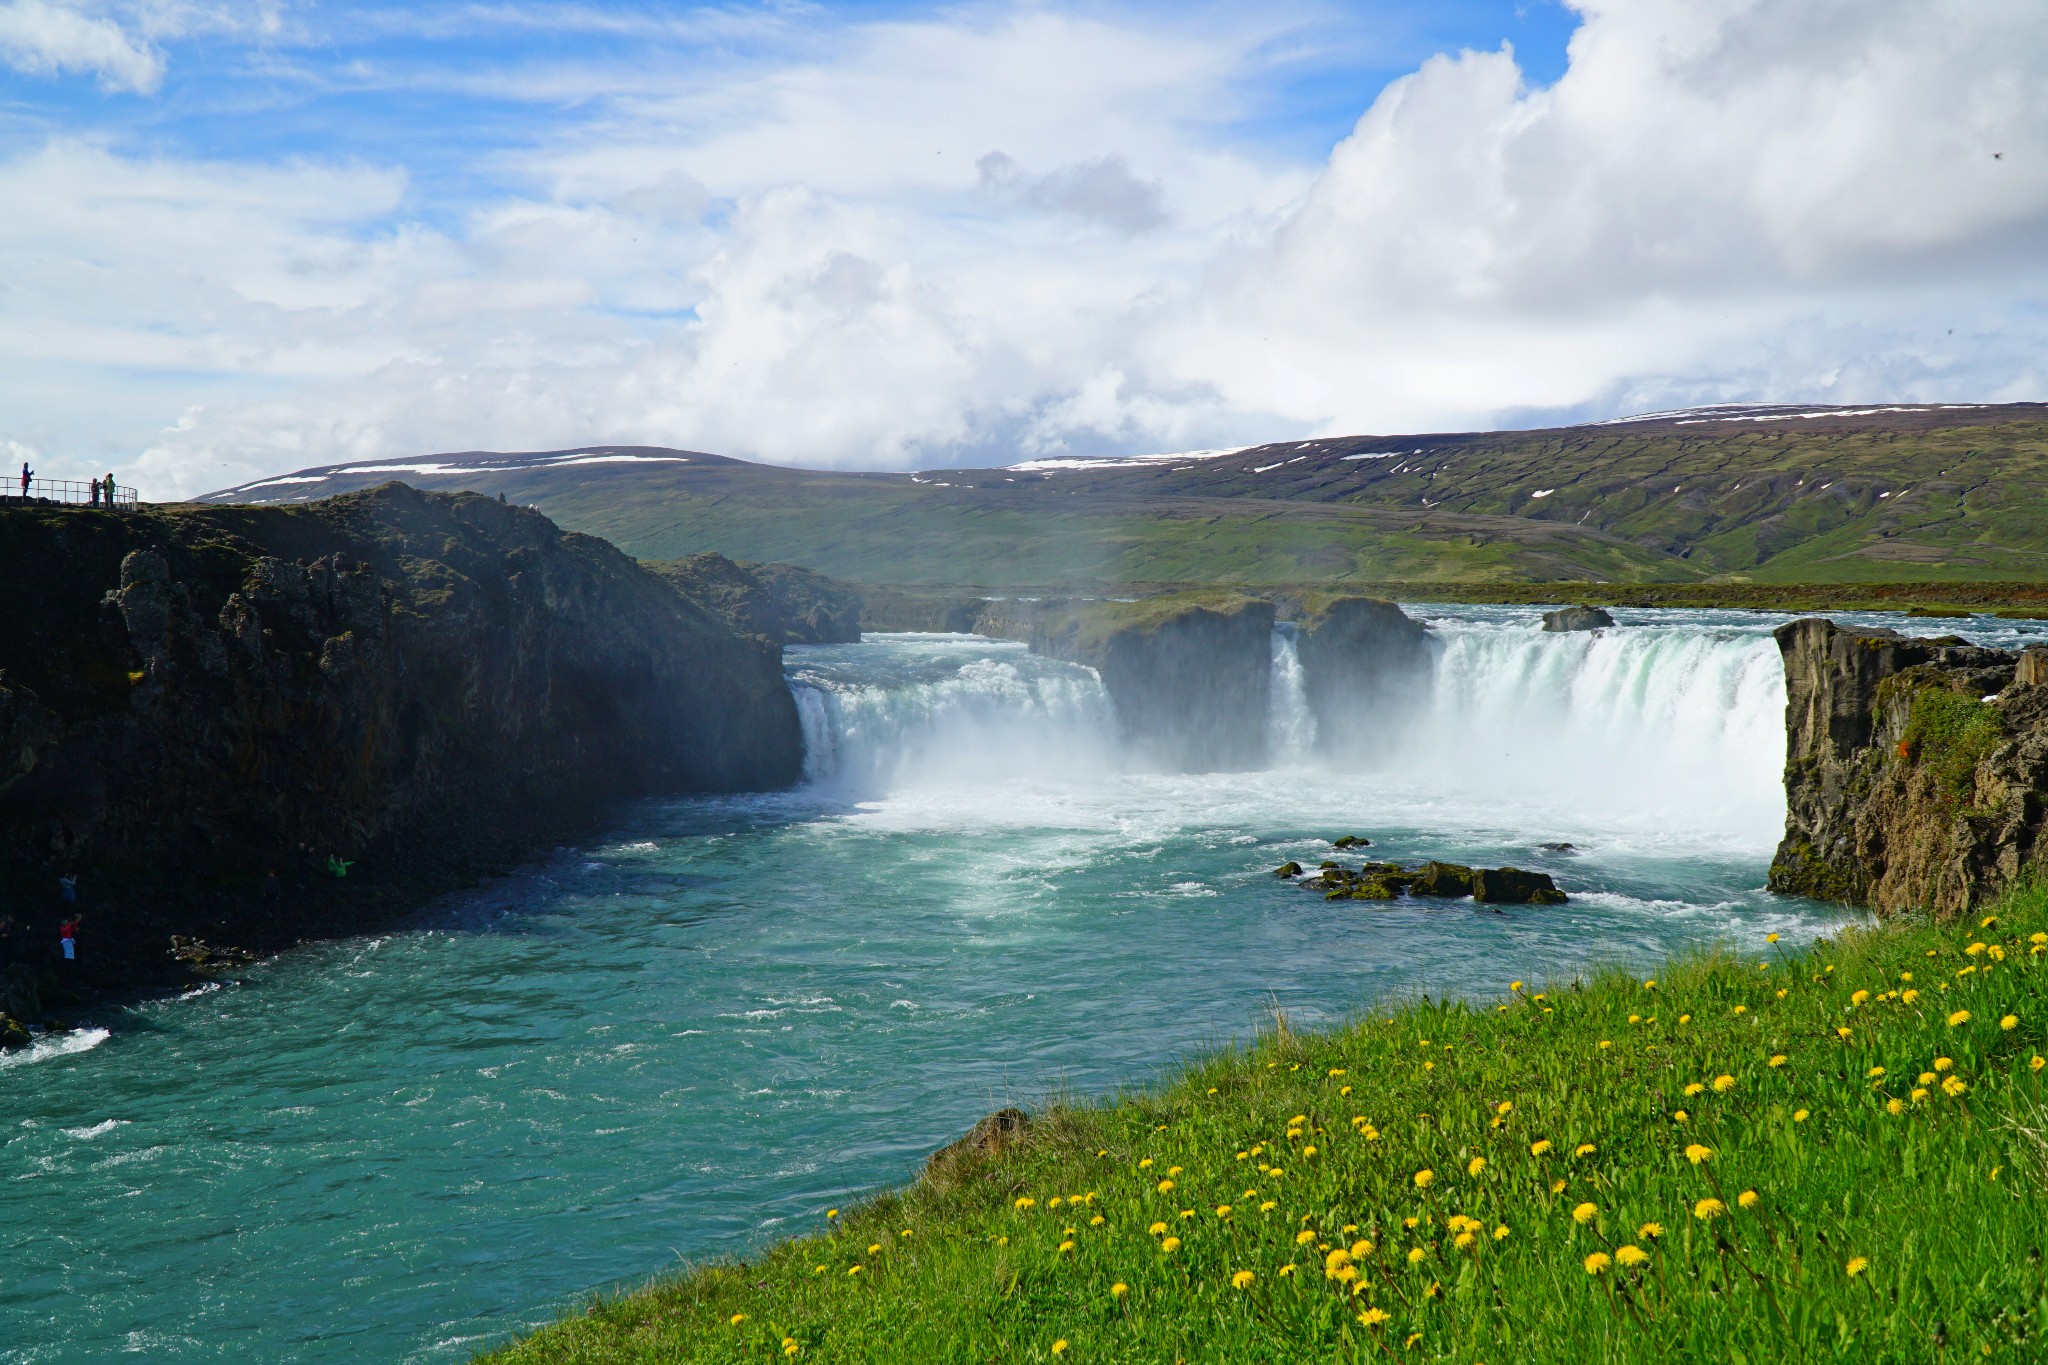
(1118, 461)
(1543, 492)
(1374, 455)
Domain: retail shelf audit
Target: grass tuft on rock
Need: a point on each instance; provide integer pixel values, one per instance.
(1838, 1151)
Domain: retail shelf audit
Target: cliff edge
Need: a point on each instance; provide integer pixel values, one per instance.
(1914, 769)
(416, 684)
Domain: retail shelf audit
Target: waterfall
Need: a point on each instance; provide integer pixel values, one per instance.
(1655, 723)
(1290, 725)
(945, 713)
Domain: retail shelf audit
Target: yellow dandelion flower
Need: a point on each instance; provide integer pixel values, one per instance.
(1770, 938)
(1782, 992)
(1066, 1247)
(1748, 1199)
(1650, 985)
(1286, 1270)
(790, 1346)
(1336, 1071)
(1909, 996)
(1598, 1262)
(1650, 1232)
(1054, 1202)
(1557, 1187)
(1475, 1165)
(1605, 1044)
(1723, 1084)
(1697, 1153)
(1463, 1241)
(1301, 1239)
(1744, 1009)
(1585, 1213)
(874, 1248)
(1268, 1206)
(1874, 1072)
(1628, 1256)
(1858, 997)
(1708, 1209)
(1308, 1151)
(2009, 1022)
(1423, 1178)
(2037, 1062)
(1895, 1105)
(1170, 1245)
(1844, 1032)
(1514, 985)
(1944, 1063)
(1959, 1018)
(1918, 1094)
(1500, 1233)
(853, 1270)
(1242, 1279)
(1146, 1164)
(1539, 1147)
(1159, 1230)
(1504, 1108)
(1857, 1265)
(1173, 1170)
(1025, 1202)
(1373, 1317)
(738, 1318)
(1416, 1255)
(1165, 1185)
(1685, 1018)
(1973, 950)
(1060, 1347)
(1119, 1290)
(831, 1213)
(1583, 1149)
(1678, 1116)
(1361, 1248)
(1777, 1059)
(1635, 1018)
(1954, 1086)
(1693, 1088)
(1336, 1260)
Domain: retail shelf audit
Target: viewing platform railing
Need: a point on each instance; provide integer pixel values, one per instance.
(69, 492)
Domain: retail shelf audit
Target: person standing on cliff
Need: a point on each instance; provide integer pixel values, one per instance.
(107, 487)
(67, 936)
(67, 888)
(93, 498)
(26, 475)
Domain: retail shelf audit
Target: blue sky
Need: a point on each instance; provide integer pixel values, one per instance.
(254, 235)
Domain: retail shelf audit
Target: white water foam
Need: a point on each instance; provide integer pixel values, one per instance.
(58, 1045)
(987, 720)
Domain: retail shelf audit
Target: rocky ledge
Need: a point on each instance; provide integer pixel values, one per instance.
(1433, 880)
(374, 697)
(1915, 768)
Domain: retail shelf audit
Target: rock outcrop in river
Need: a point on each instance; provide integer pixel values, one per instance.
(416, 684)
(1365, 667)
(1190, 676)
(1915, 768)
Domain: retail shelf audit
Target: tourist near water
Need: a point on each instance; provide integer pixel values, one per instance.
(689, 1037)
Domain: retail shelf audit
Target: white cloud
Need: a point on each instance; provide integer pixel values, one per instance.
(44, 38)
(1014, 233)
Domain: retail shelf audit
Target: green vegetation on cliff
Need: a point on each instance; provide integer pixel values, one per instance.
(1832, 1152)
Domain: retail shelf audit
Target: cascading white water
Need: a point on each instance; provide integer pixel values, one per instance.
(1290, 725)
(1662, 726)
(1650, 724)
(949, 714)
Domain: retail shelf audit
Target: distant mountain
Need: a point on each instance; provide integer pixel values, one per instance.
(1779, 493)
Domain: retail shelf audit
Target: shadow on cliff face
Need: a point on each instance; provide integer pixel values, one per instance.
(419, 685)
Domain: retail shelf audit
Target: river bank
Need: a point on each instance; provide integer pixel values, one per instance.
(1829, 1149)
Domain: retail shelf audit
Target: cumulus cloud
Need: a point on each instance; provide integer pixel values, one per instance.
(44, 38)
(1021, 232)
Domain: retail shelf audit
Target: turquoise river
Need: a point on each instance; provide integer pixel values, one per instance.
(691, 1037)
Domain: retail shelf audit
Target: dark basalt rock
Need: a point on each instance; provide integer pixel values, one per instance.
(778, 602)
(1513, 886)
(424, 685)
(1366, 666)
(13, 1033)
(1915, 770)
(1287, 871)
(1351, 841)
(1559, 848)
(1448, 880)
(1577, 618)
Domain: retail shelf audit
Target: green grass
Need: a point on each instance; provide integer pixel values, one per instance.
(1880, 1094)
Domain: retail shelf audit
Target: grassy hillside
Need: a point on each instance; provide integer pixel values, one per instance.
(1830, 496)
(1831, 1152)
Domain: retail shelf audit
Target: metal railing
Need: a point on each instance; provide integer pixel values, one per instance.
(72, 492)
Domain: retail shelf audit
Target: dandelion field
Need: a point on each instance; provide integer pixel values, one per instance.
(1835, 1152)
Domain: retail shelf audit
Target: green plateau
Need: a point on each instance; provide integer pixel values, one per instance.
(1760, 496)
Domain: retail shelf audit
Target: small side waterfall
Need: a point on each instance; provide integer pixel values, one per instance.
(1290, 725)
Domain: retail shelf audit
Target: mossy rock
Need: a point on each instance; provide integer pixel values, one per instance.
(1448, 880)
(1513, 886)
(1287, 871)
(1351, 841)
(1375, 889)
(13, 1033)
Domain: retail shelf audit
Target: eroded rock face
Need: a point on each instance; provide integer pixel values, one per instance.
(1366, 668)
(423, 684)
(1914, 769)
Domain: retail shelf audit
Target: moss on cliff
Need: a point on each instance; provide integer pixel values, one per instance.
(1946, 734)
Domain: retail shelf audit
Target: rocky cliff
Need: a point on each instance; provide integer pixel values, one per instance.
(1365, 667)
(1189, 676)
(778, 602)
(417, 684)
(1914, 771)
